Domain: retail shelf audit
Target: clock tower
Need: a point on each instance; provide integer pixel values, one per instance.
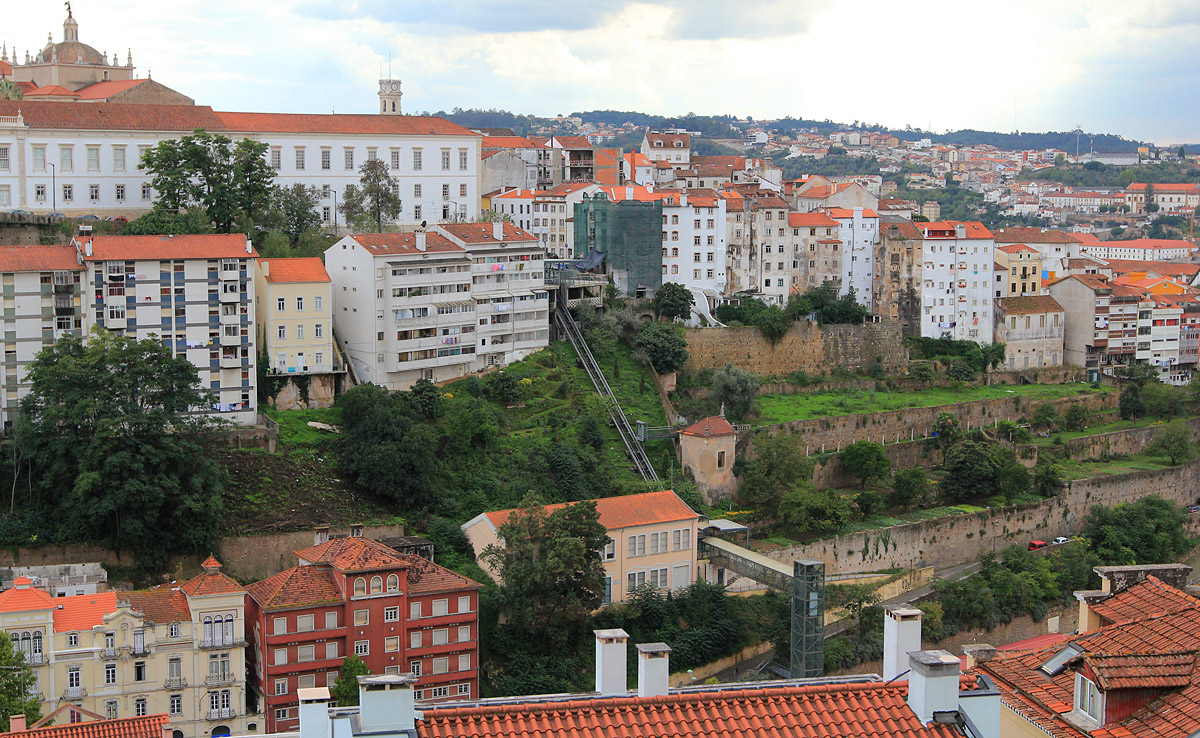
(389, 96)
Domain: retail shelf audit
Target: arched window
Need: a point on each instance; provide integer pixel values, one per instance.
(37, 647)
(376, 585)
(393, 584)
(208, 629)
(228, 629)
(360, 587)
(27, 644)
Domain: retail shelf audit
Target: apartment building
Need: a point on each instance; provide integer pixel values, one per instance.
(770, 239)
(1142, 249)
(1018, 271)
(552, 213)
(956, 294)
(517, 204)
(694, 246)
(439, 303)
(399, 614)
(1101, 331)
(1031, 327)
(740, 262)
(194, 293)
(675, 148)
(858, 230)
(816, 250)
(898, 294)
(1170, 197)
(173, 651)
(652, 541)
(76, 159)
(43, 301)
(294, 313)
(1055, 247)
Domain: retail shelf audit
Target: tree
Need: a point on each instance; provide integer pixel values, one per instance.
(1075, 418)
(426, 399)
(960, 371)
(345, 689)
(779, 464)
(970, 472)
(921, 372)
(1047, 480)
(1012, 478)
(373, 201)
(815, 511)
(673, 301)
(116, 448)
(1150, 530)
(9, 90)
(1162, 400)
(868, 503)
(1130, 403)
(550, 568)
(384, 451)
(735, 389)
(1175, 442)
(909, 487)
(774, 323)
(296, 207)
(1045, 416)
(946, 433)
(866, 460)
(502, 387)
(18, 685)
(666, 349)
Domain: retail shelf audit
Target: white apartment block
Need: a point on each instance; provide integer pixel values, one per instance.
(518, 206)
(553, 211)
(439, 303)
(83, 158)
(956, 293)
(193, 293)
(694, 248)
(1141, 249)
(43, 301)
(858, 230)
(675, 148)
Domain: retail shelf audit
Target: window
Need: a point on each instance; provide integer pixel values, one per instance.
(658, 542)
(360, 587)
(462, 161)
(318, 302)
(39, 158)
(462, 190)
(331, 650)
(110, 709)
(362, 648)
(391, 614)
(658, 577)
(414, 610)
(437, 692)
(446, 193)
(636, 545)
(276, 158)
(282, 332)
(331, 620)
(306, 681)
(445, 160)
(281, 713)
(414, 639)
(415, 668)
(66, 158)
(300, 304)
(279, 626)
(376, 585)
(139, 671)
(4, 160)
(39, 193)
(464, 633)
(120, 193)
(68, 193)
(1088, 699)
(391, 644)
(681, 539)
(464, 690)
(416, 160)
(300, 158)
(635, 579)
(147, 191)
(110, 673)
(348, 155)
(607, 591)
(464, 604)
(416, 212)
(441, 665)
(395, 159)
(464, 662)
(610, 549)
(305, 624)
(440, 608)
(139, 706)
(361, 617)
(175, 668)
(72, 639)
(176, 704)
(441, 636)
(280, 656)
(325, 159)
(5, 195)
(300, 331)
(305, 653)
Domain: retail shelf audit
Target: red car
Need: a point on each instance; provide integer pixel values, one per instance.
(1035, 545)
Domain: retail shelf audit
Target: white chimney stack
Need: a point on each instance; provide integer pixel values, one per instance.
(249, 246)
(654, 669)
(265, 266)
(386, 703)
(320, 534)
(628, 193)
(610, 661)
(932, 683)
(498, 230)
(420, 240)
(314, 712)
(901, 636)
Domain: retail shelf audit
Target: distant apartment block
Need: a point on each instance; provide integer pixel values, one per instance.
(956, 292)
(440, 303)
(295, 315)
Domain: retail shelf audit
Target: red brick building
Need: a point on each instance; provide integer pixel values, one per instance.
(400, 614)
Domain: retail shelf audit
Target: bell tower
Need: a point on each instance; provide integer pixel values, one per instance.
(389, 97)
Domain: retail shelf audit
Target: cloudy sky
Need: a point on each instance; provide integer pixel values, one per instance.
(1108, 65)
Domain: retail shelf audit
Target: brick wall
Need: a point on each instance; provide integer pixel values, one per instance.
(806, 346)
(961, 539)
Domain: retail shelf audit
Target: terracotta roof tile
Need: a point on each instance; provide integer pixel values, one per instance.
(205, 246)
(146, 726)
(295, 587)
(384, 125)
(476, 233)
(381, 244)
(1028, 304)
(669, 139)
(159, 605)
(1142, 670)
(23, 596)
(1165, 268)
(300, 269)
(426, 577)
(1028, 234)
(51, 91)
(113, 116)
(709, 427)
(82, 612)
(626, 511)
(39, 259)
(108, 88)
(1148, 597)
(354, 553)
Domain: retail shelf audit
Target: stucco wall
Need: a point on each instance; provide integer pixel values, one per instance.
(806, 346)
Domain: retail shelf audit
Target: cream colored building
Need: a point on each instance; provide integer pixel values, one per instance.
(706, 450)
(652, 541)
(294, 314)
(1031, 329)
(1019, 271)
(179, 652)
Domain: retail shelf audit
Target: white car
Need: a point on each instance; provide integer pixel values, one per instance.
(1060, 540)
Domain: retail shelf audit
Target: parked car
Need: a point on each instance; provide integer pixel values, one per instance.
(119, 219)
(89, 217)
(57, 215)
(1060, 541)
(1035, 545)
(1194, 508)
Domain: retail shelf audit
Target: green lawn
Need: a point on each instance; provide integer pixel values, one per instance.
(1122, 465)
(777, 408)
(1095, 430)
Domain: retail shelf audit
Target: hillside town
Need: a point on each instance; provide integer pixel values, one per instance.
(350, 423)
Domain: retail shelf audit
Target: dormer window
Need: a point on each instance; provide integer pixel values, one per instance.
(679, 144)
(1088, 699)
(658, 144)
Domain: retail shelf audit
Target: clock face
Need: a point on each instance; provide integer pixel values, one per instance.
(395, 86)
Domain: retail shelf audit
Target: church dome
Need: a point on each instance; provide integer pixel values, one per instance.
(71, 52)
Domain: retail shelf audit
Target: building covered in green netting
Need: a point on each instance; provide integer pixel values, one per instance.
(629, 233)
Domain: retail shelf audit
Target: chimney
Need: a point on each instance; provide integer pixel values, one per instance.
(314, 712)
(654, 669)
(978, 653)
(610, 661)
(356, 530)
(498, 230)
(168, 731)
(628, 193)
(932, 683)
(683, 199)
(386, 702)
(901, 636)
(249, 246)
(87, 247)
(16, 723)
(320, 534)
(420, 240)
(1115, 579)
(960, 230)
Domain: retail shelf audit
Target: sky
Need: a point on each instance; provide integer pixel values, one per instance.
(1110, 66)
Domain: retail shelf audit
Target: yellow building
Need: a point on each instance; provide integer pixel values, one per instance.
(179, 652)
(1019, 271)
(295, 315)
(652, 541)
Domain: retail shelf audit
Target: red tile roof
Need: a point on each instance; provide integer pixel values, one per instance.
(113, 116)
(23, 596)
(1165, 268)
(205, 246)
(38, 259)
(1028, 234)
(1164, 187)
(573, 142)
(300, 269)
(866, 710)
(1149, 597)
(866, 213)
(507, 142)
(426, 578)
(386, 125)
(975, 229)
(211, 581)
(296, 587)
(1148, 243)
(669, 139)
(1142, 670)
(381, 244)
(159, 605)
(106, 89)
(146, 726)
(627, 511)
(476, 233)
(354, 553)
(1015, 248)
(1029, 304)
(709, 427)
(51, 91)
(83, 612)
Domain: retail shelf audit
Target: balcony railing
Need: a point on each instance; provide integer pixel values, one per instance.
(74, 693)
(222, 714)
(225, 677)
(109, 652)
(142, 650)
(221, 643)
(174, 683)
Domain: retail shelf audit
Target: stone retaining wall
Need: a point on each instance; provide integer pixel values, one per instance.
(807, 346)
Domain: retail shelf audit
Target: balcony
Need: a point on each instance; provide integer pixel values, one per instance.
(228, 296)
(224, 713)
(231, 319)
(231, 339)
(231, 361)
(140, 650)
(74, 693)
(175, 683)
(225, 677)
(222, 643)
(109, 652)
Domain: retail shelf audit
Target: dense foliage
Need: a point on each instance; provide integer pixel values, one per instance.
(345, 690)
(18, 685)
(1147, 531)
(734, 390)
